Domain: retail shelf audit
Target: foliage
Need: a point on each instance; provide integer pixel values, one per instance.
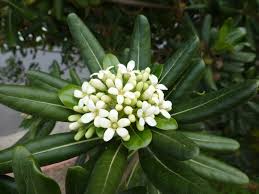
(171, 160)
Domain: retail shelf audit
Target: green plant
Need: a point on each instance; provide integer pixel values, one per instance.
(159, 159)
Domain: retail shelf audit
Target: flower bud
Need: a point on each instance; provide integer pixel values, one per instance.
(106, 98)
(148, 70)
(79, 134)
(139, 127)
(139, 86)
(98, 84)
(89, 132)
(132, 118)
(128, 110)
(109, 83)
(73, 118)
(75, 125)
(126, 138)
(100, 94)
(139, 104)
(78, 94)
(145, 86)
(127, 101)
(145, 76)
(118, 107)
(94, 98)
(77, 109)
(149, 92)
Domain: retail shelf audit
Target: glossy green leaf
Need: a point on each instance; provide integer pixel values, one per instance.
(66, 95)
(58, 8)
(171, 176)
(51, 149)
(213, 103)
(189, 81)
(7, 185)
(28, 176)
(74, 77)
(46, 78)
(173, 144)
(254, 107)
(11, 30)
(135, 190)
(34, 101)
(151, 189)
(166, 124)
(136, 176)
(246, 57)
(179, 62)
(108, 170)
(157, 69)
(208, 78)
(76, 180)
(75, 174)
(138, 139)
(212, 169)
(212, 142)
(140, 50)
(55, 69)
(91, 50)
(110, 60)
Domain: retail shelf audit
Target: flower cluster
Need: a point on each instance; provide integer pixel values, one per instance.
(116, 101)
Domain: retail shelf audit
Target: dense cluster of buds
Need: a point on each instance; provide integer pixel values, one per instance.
(118, 101)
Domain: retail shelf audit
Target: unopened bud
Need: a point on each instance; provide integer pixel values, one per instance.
(106, 98)
(118, 107)
(109, 83)
(139, 104)
(127, 101)
(132, 118)
(139, 86)
(98, 84)
(89, 132)
(73, 118)
(128, 110)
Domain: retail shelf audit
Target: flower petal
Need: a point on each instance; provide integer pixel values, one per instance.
(85, 86)
(145, 106)
(81, 103)
(150, 121)
(165, 113)
(91, 105)
(108, 134)
(124, 122)
(103, 113)
(113, 91)
(161, 87)
(141, 122)
(140, 113)
(131, 65)
(122, 68)
(130, 95)
(128, 87)
(78, 94)
(122, 132)
(104, 123)
(150, 111)
(113, 115)
(87, 117)
(74, 125)
(118, 83)
(100, 104)
(120, 99)
(153, 79)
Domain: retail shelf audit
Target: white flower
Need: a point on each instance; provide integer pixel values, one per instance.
(154, 82)
(114, 124)
(146, 115)
(88, 88)
(121, 91)
(103, 74)
(96, 111)
(163, 106)
(129, 69)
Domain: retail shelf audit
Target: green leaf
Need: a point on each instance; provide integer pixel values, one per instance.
(106, 175)
(212, 169)
(254, 107)
(34, 101)
(151, 189)
(7, 185)
(212, 142)
(51, 149)
(91, 50)
(213, 103)
(140, 50)
(246, 57)
(75, 77)
(166, 124)
(110, 60)
(189, 81)
(208, 78)
(174, 145)
(46, 78)
(28, 176)
(157, 69)
(75, 174)
(179, 62)
(58, 8)
(11, 28)
(138, 139)
(66, 95)
(135, 190)
(171, 176)
(76, 180)
(136, 176)
(206, 28)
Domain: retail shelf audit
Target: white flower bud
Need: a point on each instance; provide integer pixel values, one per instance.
(106, 98)
(109, 83)
(89, 132)
(128, 110)
(78, 94)
(118, 107)
(127, 101)
(79, 134)
(75, 125)
(100, 94)
(132, 118)
(94, 98)
(145, 76)
(126, 138)
(139, 104)
(73, 118)
(145, 86)
(140, 86)
(98, 84)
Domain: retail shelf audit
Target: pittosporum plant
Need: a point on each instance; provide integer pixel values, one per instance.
(125, 118)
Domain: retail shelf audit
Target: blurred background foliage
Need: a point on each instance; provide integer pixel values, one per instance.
(228, 30)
